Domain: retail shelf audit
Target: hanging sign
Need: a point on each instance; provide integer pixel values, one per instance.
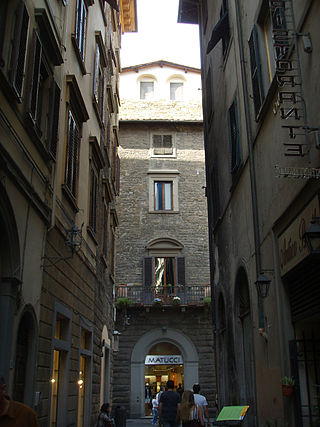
(292, 244)
(163, 359)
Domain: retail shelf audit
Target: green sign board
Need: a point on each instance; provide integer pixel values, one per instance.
(232, 413)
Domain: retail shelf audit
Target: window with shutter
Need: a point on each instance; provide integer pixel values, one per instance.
(34, 76)
(93, 198)
(99, 79)
(105, 230)
(117, 175)
(162, 145)
(19, 48)
(72, 155)
(181, 270)
(234, 138)
(148, 275)
(81, 26)
(3, 19)
(256, 76)
(53, 120)
(221, 31)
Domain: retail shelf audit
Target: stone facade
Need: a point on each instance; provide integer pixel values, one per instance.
(138, 225)
(259, 64)
(147, 233)
(59, 72)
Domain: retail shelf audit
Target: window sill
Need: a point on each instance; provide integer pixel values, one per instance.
(104, 260)
(264, 109)
(78, 54)
(164, 212)
(96, 109)
(69, 196)
(236, 177)
(34, 134)
(92, 234)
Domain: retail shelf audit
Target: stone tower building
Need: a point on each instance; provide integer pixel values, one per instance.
(163, 291)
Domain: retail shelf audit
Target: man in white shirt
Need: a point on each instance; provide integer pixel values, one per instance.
(200, 400)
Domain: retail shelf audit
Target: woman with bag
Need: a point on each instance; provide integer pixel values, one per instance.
(189, 413)
(104, 419)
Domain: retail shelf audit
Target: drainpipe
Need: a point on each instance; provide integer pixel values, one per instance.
(252, 165)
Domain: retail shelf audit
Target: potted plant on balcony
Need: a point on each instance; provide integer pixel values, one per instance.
(123, 302)
(176, 300)
(287, 384)
(207, 302)
(157, 301)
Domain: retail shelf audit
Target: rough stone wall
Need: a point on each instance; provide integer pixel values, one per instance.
(137, 225)
(194, 323)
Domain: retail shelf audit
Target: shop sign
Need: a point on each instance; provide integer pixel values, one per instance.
(163, 360)
(293, 111)
(292, 245)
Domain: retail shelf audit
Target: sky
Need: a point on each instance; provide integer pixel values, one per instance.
(159, 36)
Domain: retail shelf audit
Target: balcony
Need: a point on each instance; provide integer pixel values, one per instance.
(197, 295)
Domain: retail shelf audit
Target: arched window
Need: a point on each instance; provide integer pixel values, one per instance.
(176, 88)
(147, 87)
(165, 264)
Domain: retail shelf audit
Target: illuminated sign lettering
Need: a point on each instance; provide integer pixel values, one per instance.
(163, 359)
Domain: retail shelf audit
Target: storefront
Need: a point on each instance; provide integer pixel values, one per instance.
(300, 271)
(162, 364)
(159, 356)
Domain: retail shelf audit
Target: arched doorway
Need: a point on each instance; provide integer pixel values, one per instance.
(162, 339)
(25, 358)
(244, 342)
(9, 278)
(162, 363)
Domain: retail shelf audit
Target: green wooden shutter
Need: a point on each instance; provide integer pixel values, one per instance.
(34, 77)
(234, 137)
(19, 48)
(256, 76)
(148, 275)
(53, 119)
(181, 270)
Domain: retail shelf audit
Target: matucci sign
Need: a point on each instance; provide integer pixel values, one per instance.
(163, 359)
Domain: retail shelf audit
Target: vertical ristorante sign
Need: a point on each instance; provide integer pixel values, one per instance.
(291, 103)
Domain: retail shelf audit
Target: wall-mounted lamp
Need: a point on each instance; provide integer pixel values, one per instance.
(74, 238)
(312, 236)
(263, 285)
(73, 242)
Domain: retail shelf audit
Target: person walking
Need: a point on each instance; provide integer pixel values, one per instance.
(202, 402)
(14, 413)
(104, 419)
(162, 389)
(180, 390)
(168, 406)
(189, 412)
(155, 410)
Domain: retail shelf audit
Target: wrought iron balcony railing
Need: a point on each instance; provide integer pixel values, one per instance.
(175, 295)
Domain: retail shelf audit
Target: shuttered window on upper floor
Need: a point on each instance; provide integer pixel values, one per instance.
(162, 270)
(234, 137)
(19, 48)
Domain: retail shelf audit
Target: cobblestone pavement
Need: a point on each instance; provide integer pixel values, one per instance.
(137, 422)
